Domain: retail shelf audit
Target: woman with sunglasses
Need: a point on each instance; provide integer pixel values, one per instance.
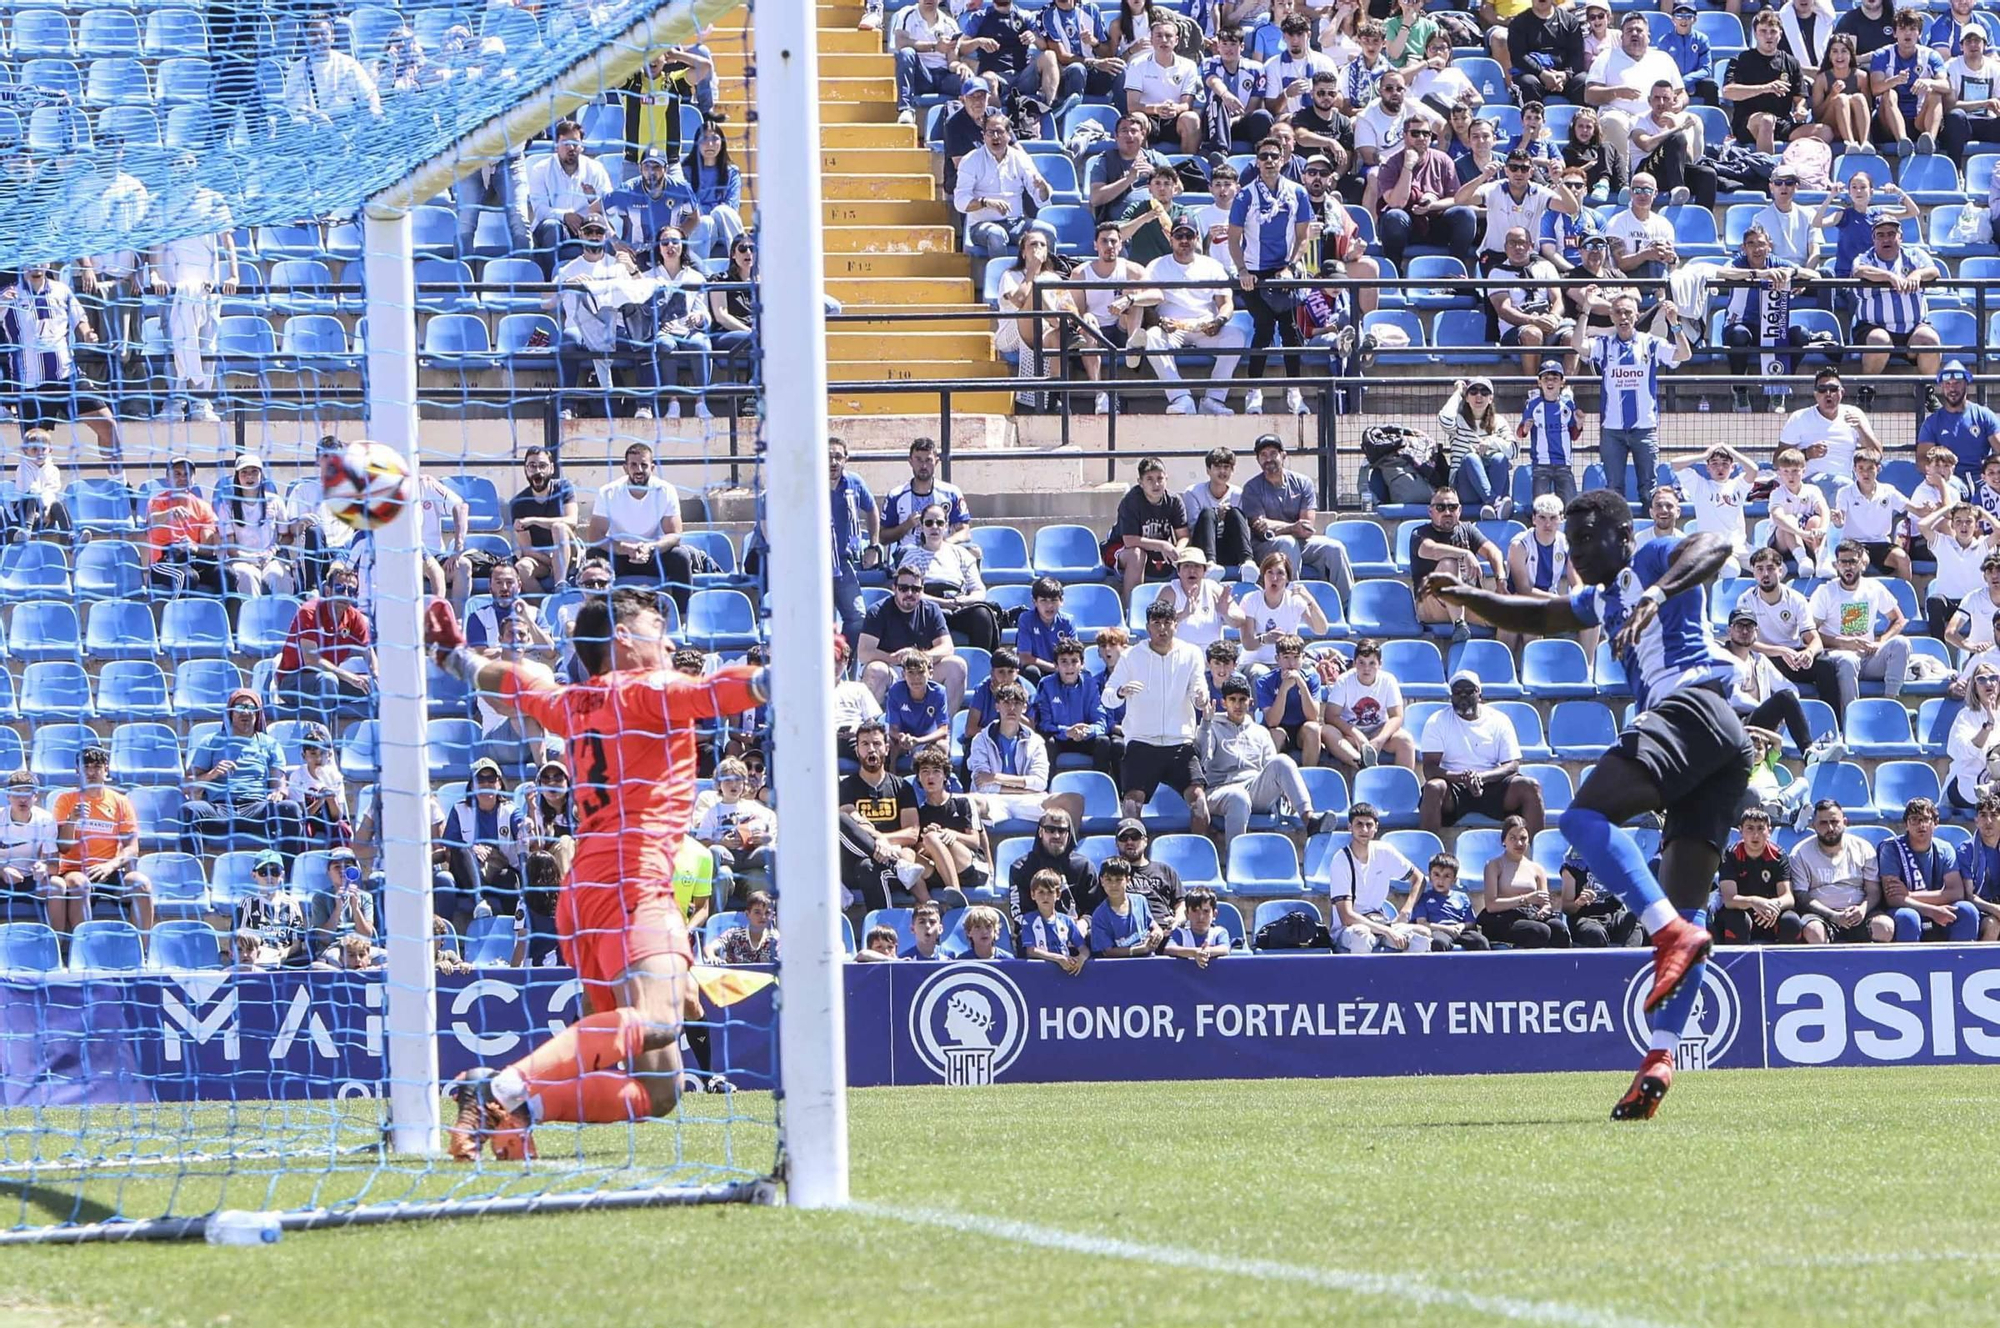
(679, 324)
(1480, 452)
(950, 570)
(733, 309)
(716, 215)
(1973, 736)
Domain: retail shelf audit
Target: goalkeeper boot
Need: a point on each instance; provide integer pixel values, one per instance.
(482, 1120)
(1649, 1086)
(1677, 947)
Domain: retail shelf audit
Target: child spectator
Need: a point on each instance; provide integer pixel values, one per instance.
(1068, 710)
(1112, 643)
(979, 708)
(276, 915)
(39, 484)
(1222, 657)
(879, 948)
(1445, 911)
(1120, 928)
(1037, 632)
(756, 942)
(982, 934)
(739, 828)
(1198, 938)
(1799, 517)
(926, 934)
(320, 789)
(1047, 934)
(915, 707)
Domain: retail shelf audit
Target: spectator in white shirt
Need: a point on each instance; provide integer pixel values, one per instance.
(1622, 76)
(636, 522)
(1868, 512)
(1361, 875)
(1161, 685)
(1472, 763)
(1201, 319)
(564, 188)
(1361, 716)
(1163, 86)
(39, 482)
(254, 524)
(1827, 432)
(1846, 610)
(1800, 520)
(996, 183)
(1719, 490)
(324, 83)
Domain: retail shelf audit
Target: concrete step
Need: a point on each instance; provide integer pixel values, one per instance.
(888, 240)
(921, 405)
(879, 89)
(872, 212)
(868, 63)
(879, 321)
(876, 161)
(895, 265)
(912, 188)
(916, 341)
(890, 135)
(882, 111)
(902, 292)
(873, 371)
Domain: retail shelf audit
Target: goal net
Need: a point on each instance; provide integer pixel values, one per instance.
(273, 880)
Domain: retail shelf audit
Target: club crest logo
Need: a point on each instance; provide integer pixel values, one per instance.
(968, 1023)
(1711, 1027)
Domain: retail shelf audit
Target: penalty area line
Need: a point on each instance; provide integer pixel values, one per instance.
(1385, 1286)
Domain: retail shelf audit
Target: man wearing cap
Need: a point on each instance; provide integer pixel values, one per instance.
(1158, 883)
(1974, 114)
(964, 127)
(924, 41)
(565, 189)
(1198, 318)
(1472, 763)
(1269, 224)
(1283, 509)
(652, 204)
(236, 787)
(1690, 52)
(1623, 75)
(253, 524)
(594, 289)
(486, 835)
(1891, 315)
(181, 535)
(278, 916)
(1968, 429)
(1245, 771)
(1162, 685)
(97, 843)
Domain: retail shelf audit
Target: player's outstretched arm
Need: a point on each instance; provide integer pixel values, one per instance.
(446, 639)
(1507, 613)
(1697, 560)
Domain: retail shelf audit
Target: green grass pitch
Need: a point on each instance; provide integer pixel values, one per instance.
(1782, 1197)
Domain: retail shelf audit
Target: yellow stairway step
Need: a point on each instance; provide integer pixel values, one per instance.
(882, 111)
(870, 371)
(896, 265)
(880, 89)
(919, 403)
(878, 212)
(915, 188)
(909, 239)
(866, 63)
(885, 324)
(918, 340)
(890, 135)
(900, 291)
(875, 161)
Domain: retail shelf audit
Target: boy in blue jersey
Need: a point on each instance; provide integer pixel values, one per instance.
(1685, 755)
(1551, 426)
(1122, 927)
(1445, 911)
(1199, 938)
(1038, 630)
(1047, 934)
(915, 708)
(926, 934)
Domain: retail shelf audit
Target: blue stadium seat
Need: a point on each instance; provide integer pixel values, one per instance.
(1942, 219)
(317, 343)
(159, 811)
(1383, 608)
(1931, 180)
(1876, 728)
(444, 286)
(1820, 721)
(53, 755)
(1394, 791)
(897, 920)
(1979, 173)
(1263, 863)
(175, 32)
(202, 687)
(1093, 607)
(1475, 848)
(1843, 781)
(1441, 268)
(489, 941)
(1100, 798)
(1505, 119)
(263, 623)
(360, 751)
(106, 946)
(1328, 600)
(58, 129)
(10, 708)
(1527, 727)
(1694, 231)
(44, 630)
(1073, 226)
(192, 628)
(1610, 672)
(457, 341)
(721, 620)
(1230, 919)
(1494, 664)
(186, 944)
(145, 752)
(1327, 789)
(56, 77)
(1934, 720)
(1418, 666)
(515, 336)
(302, 286)
(1166, 812)
(109, 569)
(1581, 730)
(188, 129)
(1419, 846)
(120, 629)
(1556, 787)
(103, 507)
(1486, 75)
(1003, 556)
(29, 947)
(1723, 30)
(453, 746)
(180, 888)
(1070, 554)
(1007, 852)
(1897, 782)
(1193, 856)
(503, 280)
(485, 511)
(1554, 669)
(42, 32)
(133, 689)
(1549, 849)
(55, 691)
(1367, 547)
(1410, 327)
(1462, 334)
(1060, 172)
(117, 81)
(1270, 910)
(136, 125)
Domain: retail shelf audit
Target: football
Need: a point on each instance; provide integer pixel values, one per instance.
(366, 485)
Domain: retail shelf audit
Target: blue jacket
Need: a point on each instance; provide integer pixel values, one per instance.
(1056, 707)
(1691, 54)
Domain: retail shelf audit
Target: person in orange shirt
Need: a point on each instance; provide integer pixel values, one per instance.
(181, 534)
(97, 843)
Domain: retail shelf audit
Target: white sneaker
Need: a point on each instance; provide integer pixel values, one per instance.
(1295, 401)
(643, 413)
(567, 413)
(702, 412)
(205, 412)
(1101, 403)
(911, 874)
(1253, 402)
(673, 410)
(1215, 406)
(1678, 195)
(1133, 345)
(1828, 748)
(173, 410)
(1181, 405)
(906, 116)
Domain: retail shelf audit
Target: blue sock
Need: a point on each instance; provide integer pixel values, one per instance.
(1614, 858)
(1670, 1020)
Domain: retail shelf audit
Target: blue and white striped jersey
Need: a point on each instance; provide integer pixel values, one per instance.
(1631, 377)
(1547, 425)
(1676, 650)
(1876, 303)
(1267, 217)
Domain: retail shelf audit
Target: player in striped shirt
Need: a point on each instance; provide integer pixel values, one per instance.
(1550, 426)
(1685, 754)
(1629, 361)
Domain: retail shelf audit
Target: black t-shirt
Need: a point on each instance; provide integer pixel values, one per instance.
(1012, 31)
(1149, 520)
(1559, 36)
(883, 805)
(1160, 886)
(1462, 536)
(1753, 66)
(1079, 896)
(525, 504)
(1766, 877)
(1332, 125)
(954, 813)
(896, 630)
(1870, 34)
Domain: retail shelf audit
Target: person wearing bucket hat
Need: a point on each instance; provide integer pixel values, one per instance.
(1201, 606)
(1970, 431)
(486, 835)
(320, 788)
(240, 799)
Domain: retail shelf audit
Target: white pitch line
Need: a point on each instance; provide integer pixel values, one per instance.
(1385, 1286)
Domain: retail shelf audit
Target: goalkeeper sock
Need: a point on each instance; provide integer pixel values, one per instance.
(595, 1099)
(1614, 858)
(1670, 1020)
(697, 1036)
(594, 1042)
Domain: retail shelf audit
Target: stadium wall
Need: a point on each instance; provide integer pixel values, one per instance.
(207, 1036)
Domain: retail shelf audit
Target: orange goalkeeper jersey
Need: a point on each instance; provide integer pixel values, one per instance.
(630, 745)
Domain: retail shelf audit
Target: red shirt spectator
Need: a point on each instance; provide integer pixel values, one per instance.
(330, 630)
